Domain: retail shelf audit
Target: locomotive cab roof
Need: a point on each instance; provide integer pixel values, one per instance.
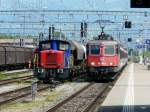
(48, 41)
(103, 42)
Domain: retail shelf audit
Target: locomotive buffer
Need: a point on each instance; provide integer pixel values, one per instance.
(131, 93)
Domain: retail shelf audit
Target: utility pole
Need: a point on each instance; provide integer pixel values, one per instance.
(74, 31)
(60, 35)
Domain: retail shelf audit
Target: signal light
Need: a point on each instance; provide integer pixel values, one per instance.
(51, 32)
(128, 24)
(140, 3)
(129, 39)
(82, 35)
(83, 29)
(21, 42)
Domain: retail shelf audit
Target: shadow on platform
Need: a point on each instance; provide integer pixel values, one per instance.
(129, 108)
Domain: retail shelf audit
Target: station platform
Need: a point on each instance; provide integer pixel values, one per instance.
(131, 93)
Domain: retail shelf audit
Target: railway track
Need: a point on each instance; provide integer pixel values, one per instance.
(12, 80)
(95, 104)
(9, 73)
(85, 99)
(14, 95)
(81, 100)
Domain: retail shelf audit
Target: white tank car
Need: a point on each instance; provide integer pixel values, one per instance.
(84, 48)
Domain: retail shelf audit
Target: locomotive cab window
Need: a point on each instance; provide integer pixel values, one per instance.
(63, 46)
(46, 46)
(109, 50)
(95, 49)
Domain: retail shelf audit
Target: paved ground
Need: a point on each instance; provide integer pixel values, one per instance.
(131, 93)
(15, 71)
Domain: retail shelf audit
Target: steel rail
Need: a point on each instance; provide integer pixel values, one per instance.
(12, 80)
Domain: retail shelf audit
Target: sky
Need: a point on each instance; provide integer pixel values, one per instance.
(66, 4)
(100, 5)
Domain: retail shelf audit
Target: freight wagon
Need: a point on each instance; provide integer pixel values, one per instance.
(12, 57)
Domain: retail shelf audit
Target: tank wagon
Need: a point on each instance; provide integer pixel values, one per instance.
(59, 59)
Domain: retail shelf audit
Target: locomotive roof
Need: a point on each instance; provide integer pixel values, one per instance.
(103, 41)
(48, 41)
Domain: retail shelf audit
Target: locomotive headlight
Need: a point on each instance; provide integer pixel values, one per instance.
(39, 70)
(92, 63)
(111, 63)
(42, 70)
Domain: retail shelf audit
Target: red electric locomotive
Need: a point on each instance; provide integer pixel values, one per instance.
(105, 58)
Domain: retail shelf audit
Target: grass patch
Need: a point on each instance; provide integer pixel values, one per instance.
(2, 76)
(16, 75)
(41, 100)
(52, 96)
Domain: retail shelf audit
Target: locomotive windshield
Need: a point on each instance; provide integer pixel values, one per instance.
(95, 49)
(109, 50)
(63, 46)
(46, 46)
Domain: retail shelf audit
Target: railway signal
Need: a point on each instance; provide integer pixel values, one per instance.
(128, 24)
(140, 4)
(129, 39)
(83, 29)
(82, 34)
(21, 42)
(51, 32)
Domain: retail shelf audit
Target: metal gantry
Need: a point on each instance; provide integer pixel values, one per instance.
(31, 22)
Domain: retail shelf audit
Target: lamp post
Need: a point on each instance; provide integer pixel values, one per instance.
(141, 49)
